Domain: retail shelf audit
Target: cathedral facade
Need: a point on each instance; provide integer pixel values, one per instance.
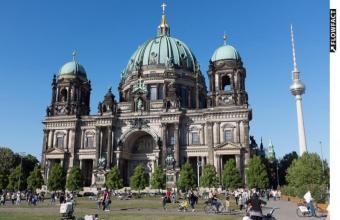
(165, 115)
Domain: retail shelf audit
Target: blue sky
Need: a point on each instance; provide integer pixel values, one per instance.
(38, 36)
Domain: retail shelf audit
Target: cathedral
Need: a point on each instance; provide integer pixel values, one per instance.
(164, 116)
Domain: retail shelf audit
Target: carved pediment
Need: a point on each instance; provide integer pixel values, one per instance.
(227, 146)
(55, 151)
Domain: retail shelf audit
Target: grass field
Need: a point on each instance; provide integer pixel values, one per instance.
(142, 209)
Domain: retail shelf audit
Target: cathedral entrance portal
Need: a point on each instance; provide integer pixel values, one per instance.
(139, 148)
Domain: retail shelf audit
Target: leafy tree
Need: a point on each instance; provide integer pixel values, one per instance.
(139, 179)
(7, 160)
(35, 179)
(284, 163)
(113, 179)
(271, 167)
(75, 179)
(14, 178)
(256, 173)
(56, 178)
(231, 175)
(158, 179)
(306, 173)
(187, 177)
(209, 177)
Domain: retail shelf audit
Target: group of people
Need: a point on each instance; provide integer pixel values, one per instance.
(63, 198)
(15, 198)
(190, 199)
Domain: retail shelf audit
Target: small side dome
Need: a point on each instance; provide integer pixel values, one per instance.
(225, 52)
(72, 68)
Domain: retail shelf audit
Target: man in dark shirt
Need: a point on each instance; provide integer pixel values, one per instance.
(255, 207)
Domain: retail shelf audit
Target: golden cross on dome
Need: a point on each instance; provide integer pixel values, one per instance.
(163, 7)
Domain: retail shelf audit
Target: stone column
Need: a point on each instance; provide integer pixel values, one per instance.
(52, 139)
(202, 136)
(237, 132)
(176, 147)
(101, 142)
(164, 142)
(97, 147)
(238, 161)
(246, 133)
(82, 139)
(218, 125)
(62, 163)
(109, 146)
(81, 164)
(67, 139)
(209, 139)
(44, 148)
(242, 133)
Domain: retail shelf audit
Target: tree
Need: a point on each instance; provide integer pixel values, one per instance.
(14, 179)
(35, 179)
(56, 178)
(271, 167)
(256, 173)
(139, 179)
(306, 173)
(75, 180)
(7, 160)
(187, 178)
(284, 163)
(158, 179)
(113, 180)
(209, 177)
(231, 175)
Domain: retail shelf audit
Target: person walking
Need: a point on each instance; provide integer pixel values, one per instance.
(13, 198)
(192, 200)
(255, 206)
(310, 202)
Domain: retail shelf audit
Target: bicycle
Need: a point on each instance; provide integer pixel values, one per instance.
(303, 211)
(211, 207)
(268, 216)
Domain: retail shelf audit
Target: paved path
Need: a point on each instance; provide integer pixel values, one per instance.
(287, 211)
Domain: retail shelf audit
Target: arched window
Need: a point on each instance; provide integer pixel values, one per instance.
(63, 95)
(225, 83)
(184, 97)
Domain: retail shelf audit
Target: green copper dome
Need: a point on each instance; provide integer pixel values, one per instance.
(225, 52)
(72, 68)
(162, 50)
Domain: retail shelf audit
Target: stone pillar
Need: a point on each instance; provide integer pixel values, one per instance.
(202, 136)
(238, 161)
(97, 147)
(218, 125)
(237, 132)
(209, 139)
(101, 142)
(62, 163)
(81, 164)
(44, 148)
(242, 133)
(246, 133)
(82, 139)
(109, 146)
(52, 139)
(67, 139)
(176, 147)
(164, 141)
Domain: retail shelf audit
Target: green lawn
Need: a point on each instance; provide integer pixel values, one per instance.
(142, 209)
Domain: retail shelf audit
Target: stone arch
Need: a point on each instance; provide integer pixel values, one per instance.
(125, 137)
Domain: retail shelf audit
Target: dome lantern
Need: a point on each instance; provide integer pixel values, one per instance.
(225, 52)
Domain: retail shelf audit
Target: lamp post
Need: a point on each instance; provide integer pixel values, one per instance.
(277, 173)
(199, 163)
(22, 154)
(323, 168)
